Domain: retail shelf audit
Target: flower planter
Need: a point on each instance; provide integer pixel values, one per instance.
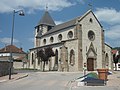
(102, 73)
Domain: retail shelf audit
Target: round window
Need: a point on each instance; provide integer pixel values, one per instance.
(51, 39)
(91, 35)
(60, 37)
(70, 34)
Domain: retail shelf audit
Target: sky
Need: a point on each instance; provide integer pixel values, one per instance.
(107, 12)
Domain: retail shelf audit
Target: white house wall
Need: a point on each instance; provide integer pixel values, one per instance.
(5, 54)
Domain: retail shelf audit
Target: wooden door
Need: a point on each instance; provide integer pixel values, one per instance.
(90, 64)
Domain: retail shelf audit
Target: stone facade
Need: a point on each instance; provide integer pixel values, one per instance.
(108, 57)
(76, 42)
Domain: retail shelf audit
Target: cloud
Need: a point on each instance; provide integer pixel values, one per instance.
(111, 18)
(58, 22)
(78, 1)
(8, 40)
(32, 5)
(108, 15)
(113, 32)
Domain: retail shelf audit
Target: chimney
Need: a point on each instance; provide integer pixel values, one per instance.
(20, 49)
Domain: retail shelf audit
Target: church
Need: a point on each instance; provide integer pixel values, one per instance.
(78, 44)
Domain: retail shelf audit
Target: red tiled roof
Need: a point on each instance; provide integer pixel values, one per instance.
(11, 48)
(114, 51)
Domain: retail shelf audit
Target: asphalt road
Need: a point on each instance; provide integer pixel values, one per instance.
(40, 81)
(48, 81)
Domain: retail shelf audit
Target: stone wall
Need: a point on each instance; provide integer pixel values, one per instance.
(4, 68)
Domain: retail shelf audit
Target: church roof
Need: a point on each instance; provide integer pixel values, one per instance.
(61, 26)
(69, 23)
(13, 49)
(46, 19)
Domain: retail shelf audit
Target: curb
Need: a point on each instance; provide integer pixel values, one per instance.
(3, 80)
(21, 77)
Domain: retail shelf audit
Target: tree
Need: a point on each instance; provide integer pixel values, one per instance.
(45, 54)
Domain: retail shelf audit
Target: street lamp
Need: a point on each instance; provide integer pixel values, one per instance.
(21, 13)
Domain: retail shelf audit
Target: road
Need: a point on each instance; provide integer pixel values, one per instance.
(48, 81)
(40, 81)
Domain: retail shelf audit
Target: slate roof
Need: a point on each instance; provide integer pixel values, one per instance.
(61, 26)
(67, 24)
(46, 19)
(13, 48)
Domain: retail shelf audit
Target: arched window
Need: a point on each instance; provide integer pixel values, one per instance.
(56, 61)
(56, 57)
(38, 61)
(91, 20)
(106, 60)
(44, 41)
(32, 58)
(72, 57)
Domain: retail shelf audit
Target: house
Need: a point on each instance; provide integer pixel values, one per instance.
(77, 43)
(18, 55)
(116, 53)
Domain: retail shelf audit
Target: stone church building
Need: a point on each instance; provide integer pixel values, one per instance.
(77, 44)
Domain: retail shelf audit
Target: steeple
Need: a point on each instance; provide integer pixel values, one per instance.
(45, 24)
(46, 19)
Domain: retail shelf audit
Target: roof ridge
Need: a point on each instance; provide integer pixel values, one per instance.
(12, 48)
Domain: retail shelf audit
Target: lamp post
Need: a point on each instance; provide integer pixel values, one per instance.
(21, 13)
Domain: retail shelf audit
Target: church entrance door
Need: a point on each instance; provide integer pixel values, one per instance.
(90, 64)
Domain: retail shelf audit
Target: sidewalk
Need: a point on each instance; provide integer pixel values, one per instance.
(13, 77)
(114, 79)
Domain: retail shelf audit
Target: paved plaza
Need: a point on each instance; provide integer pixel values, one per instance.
(54, 81)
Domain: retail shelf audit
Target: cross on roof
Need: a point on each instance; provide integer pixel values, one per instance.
(46, 7)
(90, 5)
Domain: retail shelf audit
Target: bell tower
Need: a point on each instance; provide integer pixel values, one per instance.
(45, 24)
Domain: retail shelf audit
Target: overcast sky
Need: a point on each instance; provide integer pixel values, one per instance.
(107, 12)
